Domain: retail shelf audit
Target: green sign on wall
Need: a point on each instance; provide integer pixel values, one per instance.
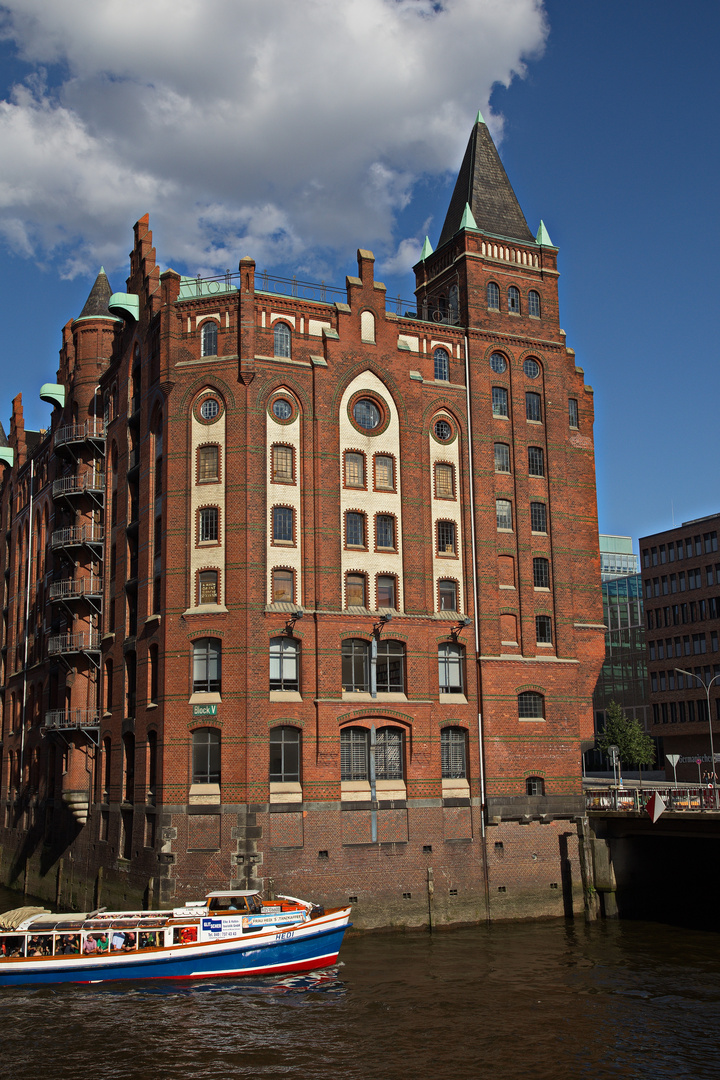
(204, 710)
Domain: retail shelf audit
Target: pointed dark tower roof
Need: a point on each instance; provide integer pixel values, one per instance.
(482, 184)
(96, 305)
(3, 436)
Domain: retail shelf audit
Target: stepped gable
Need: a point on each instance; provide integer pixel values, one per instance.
(482, 184)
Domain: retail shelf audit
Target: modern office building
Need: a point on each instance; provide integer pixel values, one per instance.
(617, 558)
(300, 591)
(681, 584)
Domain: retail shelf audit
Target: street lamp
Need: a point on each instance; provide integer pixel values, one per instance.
(707, 686)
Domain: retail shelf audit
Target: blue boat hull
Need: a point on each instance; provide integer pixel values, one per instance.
(269, 957)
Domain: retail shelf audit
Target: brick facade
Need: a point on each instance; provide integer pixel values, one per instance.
(196, 670)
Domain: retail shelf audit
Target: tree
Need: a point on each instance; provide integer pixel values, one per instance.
(635, 747)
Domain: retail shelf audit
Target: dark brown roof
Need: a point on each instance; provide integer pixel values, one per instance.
(483, 184)
(3, 436)
(97, 302)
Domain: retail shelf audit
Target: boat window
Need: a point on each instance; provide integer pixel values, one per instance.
(67, 944)
(150, 940)
(184, 935)
(228, 903)
(12, 945)
(40, 945)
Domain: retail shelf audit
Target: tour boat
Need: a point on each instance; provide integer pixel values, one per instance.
(228, 933)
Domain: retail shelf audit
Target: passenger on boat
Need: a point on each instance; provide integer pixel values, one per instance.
(117, 941)
(12, 946)
(129, 945)
(69, 945)
(149, 940)
(91, 945)
(34, 947)
(102, 943)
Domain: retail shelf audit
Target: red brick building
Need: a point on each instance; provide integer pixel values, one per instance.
(302, 591)
(681, 579)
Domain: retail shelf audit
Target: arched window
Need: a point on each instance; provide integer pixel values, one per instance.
(447, 595)
(282, 339)
(453, 304)
(533, 406)
(355, 590)
(367, 327)
(541, 573)
(151, 777)
(130, 683)
(206, 756)
(543, 629)
(107, 762)
(153, 673)
(209, 338)
(534, 785)
(502, 457)
(208, 587)
(207, 658)
(390, 667)
(128, 767)
(493, 296)
(284, 663)
(283, 586)
(514, 300)
(536, 461)
(453, 756)
(441, 361)
(355, 665)
(534, 304)
(450, 667)
(531, 706)
(284, 755)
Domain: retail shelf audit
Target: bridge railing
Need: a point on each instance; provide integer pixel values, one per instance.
(695, 798)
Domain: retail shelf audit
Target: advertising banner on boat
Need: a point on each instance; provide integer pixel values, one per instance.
(227, 927)
(256, 922)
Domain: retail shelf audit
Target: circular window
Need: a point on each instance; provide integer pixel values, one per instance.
(282, 408)
(531, 368)
(209, 409)
(366, 413)
(498, 363)
(443, 431)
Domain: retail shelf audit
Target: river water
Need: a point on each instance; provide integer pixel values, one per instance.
(528, 1000)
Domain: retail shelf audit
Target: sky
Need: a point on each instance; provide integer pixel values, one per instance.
(296, 133)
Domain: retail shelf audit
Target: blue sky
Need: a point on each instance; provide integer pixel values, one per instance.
(605, 116)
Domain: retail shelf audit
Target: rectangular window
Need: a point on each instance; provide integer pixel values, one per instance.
(282, 464)
(208, 461)
(543, 629)
(283, 518)
(355, 470)
(444, 481)
(354, 529)
(503, 513)
(354, 754)
(446, 537)
(448, 595)
(283, 587)
(652, 650)
(499, 401)
(386, 591)
(384, 472)
(385, 532)
(502, 457)
(538, 517)
(573, 412)
(699, 645)
(536, 461)
(533, 406)
(208, 524)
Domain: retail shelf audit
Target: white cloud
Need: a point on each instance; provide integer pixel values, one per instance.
(289, 131)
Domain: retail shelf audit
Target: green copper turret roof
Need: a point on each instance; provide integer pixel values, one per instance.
(468, 221)
(427, 249)
(543, 236)
(482, 184)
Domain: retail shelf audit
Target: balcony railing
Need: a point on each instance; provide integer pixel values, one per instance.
(78, 535)
(85, 641)
(77, 433)
(687, 798)
(76, 589)
(72, 718)
(78, 485)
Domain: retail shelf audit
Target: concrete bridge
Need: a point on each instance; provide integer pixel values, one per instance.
(667, 870)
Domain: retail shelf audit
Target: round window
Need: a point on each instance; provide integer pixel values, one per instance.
(498, 363)
(366, 414)
(282, 409)
(531, 368)
(209, 409)
(443, 431)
